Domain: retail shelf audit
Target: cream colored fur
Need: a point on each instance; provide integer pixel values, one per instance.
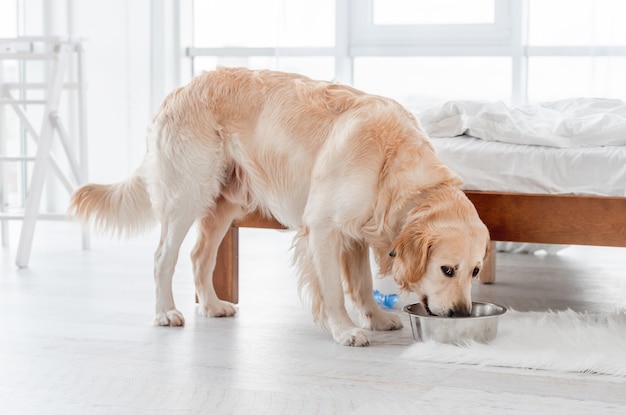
(349, 171)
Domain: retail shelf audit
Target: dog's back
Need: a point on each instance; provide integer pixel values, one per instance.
(270, 130)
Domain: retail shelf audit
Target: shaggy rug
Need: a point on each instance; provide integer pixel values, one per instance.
(555, 340)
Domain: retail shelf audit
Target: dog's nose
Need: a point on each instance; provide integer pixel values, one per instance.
(460, 311)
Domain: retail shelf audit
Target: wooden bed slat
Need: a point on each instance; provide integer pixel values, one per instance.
(555, 219)
(257, 220)
(518, 217)
(515, 217)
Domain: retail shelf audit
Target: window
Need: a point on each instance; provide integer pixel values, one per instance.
(293, 36)
(316, 67)
(423, 52)
(559, 77)
(397, 23)
(587, 23)
(8, 18)
(421, 82)
(581, 53)
(273, 24)
(426, 12)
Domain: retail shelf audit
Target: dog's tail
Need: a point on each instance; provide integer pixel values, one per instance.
(121, 208)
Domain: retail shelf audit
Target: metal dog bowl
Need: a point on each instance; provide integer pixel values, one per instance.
(481, 325)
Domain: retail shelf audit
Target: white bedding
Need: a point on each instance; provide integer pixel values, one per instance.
(580, 122)
(497, 148)
(502, 167)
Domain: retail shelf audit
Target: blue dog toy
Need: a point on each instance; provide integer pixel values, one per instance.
(386, 300)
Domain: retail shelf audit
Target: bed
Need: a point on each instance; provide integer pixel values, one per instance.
(562, 147)
(551, 173)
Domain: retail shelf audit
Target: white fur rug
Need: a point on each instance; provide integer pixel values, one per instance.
(555, 340)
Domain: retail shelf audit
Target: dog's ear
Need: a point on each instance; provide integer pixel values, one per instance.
(412, 247)
(487, 250)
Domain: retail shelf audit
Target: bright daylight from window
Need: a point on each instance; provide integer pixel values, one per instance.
(410, 12)
(431, 51)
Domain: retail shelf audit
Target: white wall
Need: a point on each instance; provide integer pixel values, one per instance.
(117, 45)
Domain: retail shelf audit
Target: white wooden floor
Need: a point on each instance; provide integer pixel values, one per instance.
(76, 338)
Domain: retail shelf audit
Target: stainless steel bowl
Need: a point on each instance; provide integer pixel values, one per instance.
(481, 325)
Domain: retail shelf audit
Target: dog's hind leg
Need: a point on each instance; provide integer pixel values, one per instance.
(212, 229)
(174, 226)
(357, 274)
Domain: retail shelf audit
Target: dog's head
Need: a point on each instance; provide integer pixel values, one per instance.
(440, 249)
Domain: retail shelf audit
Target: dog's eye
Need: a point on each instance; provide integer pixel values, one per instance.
(475, 271)
(447, 271)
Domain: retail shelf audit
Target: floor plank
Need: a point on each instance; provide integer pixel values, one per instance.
(76, 337)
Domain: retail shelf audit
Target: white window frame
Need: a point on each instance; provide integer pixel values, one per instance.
(506, 37)
(341, 52)
(357, 36)
(367, 37)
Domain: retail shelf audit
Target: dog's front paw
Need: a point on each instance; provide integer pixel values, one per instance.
(169, 318)
(382, 321)
(219, 309)
(351, 336)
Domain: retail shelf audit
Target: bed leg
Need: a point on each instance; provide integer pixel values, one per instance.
(488, 274)
(226, 273)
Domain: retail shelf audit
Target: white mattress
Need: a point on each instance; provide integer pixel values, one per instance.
(504, 167)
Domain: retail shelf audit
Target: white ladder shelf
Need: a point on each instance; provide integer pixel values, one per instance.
(64, 59)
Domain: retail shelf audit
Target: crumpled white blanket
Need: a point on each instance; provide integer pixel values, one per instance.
(577, 122)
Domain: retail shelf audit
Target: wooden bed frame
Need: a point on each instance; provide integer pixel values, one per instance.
(515, 217)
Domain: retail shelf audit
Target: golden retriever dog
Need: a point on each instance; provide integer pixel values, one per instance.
(347, 170)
